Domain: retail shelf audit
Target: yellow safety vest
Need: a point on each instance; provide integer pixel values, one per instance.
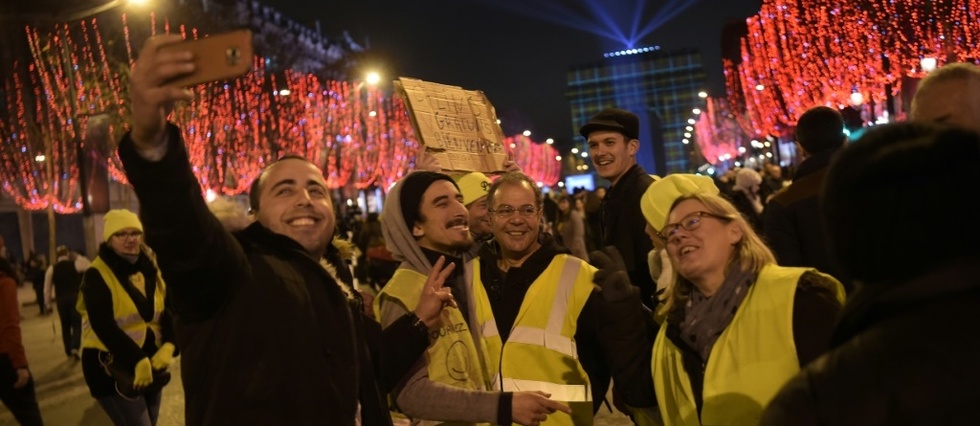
(123, 310)
(452, 357)
(752, 359)
(540, 352)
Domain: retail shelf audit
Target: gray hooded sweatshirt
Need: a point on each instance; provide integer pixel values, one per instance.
(417, 396)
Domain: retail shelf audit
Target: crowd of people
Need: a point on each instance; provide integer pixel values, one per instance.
(748, 301)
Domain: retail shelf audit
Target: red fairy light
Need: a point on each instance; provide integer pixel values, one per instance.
(354, 133)
(536, 159)
(807, 53)
(719, 134)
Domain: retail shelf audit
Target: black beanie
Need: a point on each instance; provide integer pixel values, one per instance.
(413, 188)
(903, 200)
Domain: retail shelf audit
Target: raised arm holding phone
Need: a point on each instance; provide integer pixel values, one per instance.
(266, 333)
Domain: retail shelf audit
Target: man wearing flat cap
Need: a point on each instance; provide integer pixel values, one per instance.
(612, 136)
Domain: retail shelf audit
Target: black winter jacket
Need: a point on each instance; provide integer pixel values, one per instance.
(902, 355)
(267, 335)
(792, 223)
(622, 226)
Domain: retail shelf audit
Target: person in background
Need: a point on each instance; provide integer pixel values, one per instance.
(36, 266)
(612, 136)
(901, 352)
(125, 321)
(474, 186)
(737, 326)
(949, 95)
(772, 181)
(63, 280)
(793, 226)
(745, 196)
(593, 217)
(368, 237)
(571, 227)
(16, 383)
(230, 213)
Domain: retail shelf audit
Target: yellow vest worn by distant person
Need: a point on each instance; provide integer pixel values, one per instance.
(452, 357)
(752, 359)
(123, 310)
(540, 352)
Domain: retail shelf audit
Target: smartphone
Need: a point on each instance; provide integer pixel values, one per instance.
(217, 57)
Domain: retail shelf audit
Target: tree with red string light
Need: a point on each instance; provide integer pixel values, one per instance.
(718, 134)
(355, 134)
(537, 160)
(39, 152)
(802, 53)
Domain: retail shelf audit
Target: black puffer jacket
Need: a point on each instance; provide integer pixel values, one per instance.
(903, 355)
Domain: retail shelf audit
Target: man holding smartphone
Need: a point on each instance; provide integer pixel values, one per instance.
(267, 334)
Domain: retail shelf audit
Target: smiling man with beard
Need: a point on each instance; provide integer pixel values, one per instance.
(267, 335)
(425, 225)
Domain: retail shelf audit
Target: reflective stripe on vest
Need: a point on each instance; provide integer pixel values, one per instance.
(124, 311)
(540, 352)
(559, 392)
(549, 337)
(752, 358)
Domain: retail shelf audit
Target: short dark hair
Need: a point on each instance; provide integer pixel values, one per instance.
(896, 177)
(820, 129)
(515, 178)
(255, 189)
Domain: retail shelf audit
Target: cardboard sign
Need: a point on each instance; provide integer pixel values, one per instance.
(458, 127)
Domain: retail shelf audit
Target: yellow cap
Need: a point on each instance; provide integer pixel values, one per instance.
(473, 186)
(661, 194)
(119, 219)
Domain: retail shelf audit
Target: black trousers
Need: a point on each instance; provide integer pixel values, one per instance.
(39, 293)
(71, 326)
(21, 402)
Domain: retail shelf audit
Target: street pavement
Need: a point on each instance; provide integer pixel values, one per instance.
(61, 390)
(63, 395)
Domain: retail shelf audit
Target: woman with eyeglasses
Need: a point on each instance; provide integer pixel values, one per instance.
(737, 326)
(127, 334)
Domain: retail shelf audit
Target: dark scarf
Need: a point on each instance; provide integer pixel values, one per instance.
(705, 318)
(126, 270)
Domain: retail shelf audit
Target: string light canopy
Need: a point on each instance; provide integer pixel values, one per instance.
(352, 131)
(802, 53)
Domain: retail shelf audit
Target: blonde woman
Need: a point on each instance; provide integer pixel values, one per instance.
(737, 326)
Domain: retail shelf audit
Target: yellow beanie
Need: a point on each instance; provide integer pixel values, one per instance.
(119, 219)
(473, 186)
(661, 194)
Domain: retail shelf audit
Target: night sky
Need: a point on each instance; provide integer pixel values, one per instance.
(510, 50)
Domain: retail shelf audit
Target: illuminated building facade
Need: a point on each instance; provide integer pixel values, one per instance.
(660, 87)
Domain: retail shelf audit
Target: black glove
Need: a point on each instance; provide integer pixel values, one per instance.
(611, 278)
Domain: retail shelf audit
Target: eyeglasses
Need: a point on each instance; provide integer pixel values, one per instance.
(128, 235)
(689, 223)
(508, 211)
